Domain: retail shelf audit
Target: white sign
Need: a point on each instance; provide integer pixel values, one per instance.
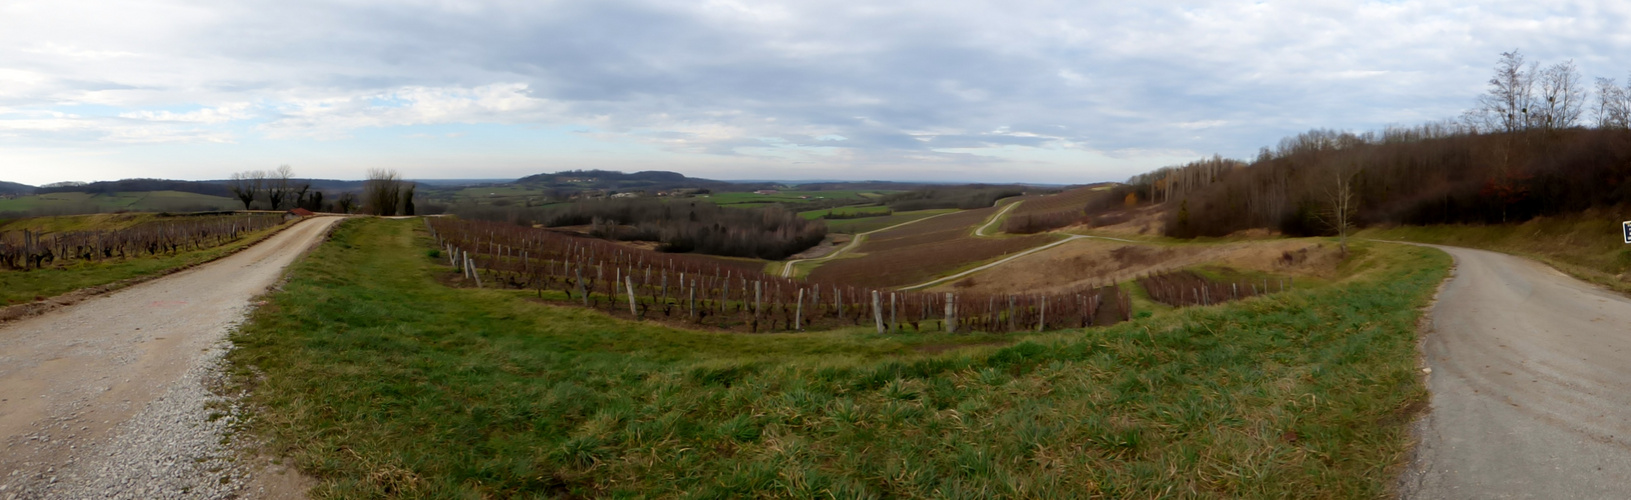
(1626, 228)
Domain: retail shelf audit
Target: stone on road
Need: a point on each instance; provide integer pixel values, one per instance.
(106, 398)
(1531, 386)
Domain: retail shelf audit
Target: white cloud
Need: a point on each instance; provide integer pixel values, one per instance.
(220, 114)
(730, 81)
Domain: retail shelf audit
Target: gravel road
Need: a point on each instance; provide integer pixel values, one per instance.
(110, 398)
(1531, 386)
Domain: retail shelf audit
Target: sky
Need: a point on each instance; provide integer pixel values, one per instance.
(945, 90)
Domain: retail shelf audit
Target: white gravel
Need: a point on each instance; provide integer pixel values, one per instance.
(112, 397)
(180, 446)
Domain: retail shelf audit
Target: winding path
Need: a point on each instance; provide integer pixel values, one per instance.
(787, 270)
(1531, 386)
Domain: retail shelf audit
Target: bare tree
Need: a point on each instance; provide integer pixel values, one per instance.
(278, 186)
(1561, 96)
(1340, 214)
(1508, 105)
(246, 185)
(346, 202)
(1613, 104)
(382, 192)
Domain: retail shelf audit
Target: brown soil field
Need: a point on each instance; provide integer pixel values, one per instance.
(917, 252)
(1092, 261)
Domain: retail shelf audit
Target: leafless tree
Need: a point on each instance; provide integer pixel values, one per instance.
(1613, 104)
(247, 185)
(383, 191)
(346, 202)
(278, 185)
(1561, 96)
(1343, 206)
(1509, 104)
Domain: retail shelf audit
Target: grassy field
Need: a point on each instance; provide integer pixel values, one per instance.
(380, 382)
(748, 198)
(857, 226)
(151, 201)
(1588, 246)
(857, 212)
(18, 287)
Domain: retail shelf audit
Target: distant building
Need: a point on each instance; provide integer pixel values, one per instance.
(626, 195)
(297, 213)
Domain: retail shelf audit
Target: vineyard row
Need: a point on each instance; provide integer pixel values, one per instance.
(648, 285)
(21, 250)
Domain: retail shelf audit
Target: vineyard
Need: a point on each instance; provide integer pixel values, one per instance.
(1051, 212)
(649, 285)
(921, 251)
(25, 249)
(1188, 288)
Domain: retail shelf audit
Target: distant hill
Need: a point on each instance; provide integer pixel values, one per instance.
(209, 188)
(15, 188)
(614, 180)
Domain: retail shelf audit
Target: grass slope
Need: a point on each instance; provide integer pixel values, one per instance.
(1588, 246)
(381, 382)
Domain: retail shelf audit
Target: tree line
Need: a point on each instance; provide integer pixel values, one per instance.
(384, 193)
(1523, 151)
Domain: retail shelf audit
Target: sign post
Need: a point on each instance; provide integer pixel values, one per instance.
(1625, 227)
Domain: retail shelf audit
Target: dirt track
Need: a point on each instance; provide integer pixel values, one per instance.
(69, 378)
(1531, 386)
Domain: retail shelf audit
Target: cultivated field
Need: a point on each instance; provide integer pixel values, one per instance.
(45, 257)
(920, 251)
(1043, 213)
(148, 201)
(743, 198)
(1086, 262)
(862, 225)
(381, 382)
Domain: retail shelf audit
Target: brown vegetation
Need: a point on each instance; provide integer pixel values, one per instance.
(645, 284)
(1088, 262)
(1054, 211)
(920, 251)
(25, 249)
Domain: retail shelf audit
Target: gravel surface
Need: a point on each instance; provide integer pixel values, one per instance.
(112, 397)
(1530, 374)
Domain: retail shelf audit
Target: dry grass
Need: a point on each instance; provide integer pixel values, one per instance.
(1090, 261)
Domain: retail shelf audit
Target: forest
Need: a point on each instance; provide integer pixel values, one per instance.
(1522, 152)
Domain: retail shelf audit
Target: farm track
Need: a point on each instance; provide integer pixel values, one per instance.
(105, 398)
(1530, 383)
(787, 270)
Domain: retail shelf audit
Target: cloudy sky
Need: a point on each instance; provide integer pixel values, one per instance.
(1036, 91)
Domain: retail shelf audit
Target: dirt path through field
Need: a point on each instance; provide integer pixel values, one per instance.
(787, 270)
(72, 380)
(1531, 386)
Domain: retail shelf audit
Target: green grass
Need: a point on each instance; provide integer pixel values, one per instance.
(749, 198)
(18, 287)
(855, 226)
(154, 201)
(873, 210)
(380, 382)
(1588, 246)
